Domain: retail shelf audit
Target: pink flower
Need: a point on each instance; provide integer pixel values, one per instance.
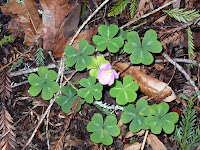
(106, 75)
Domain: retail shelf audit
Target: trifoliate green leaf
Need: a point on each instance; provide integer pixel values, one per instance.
(91, 89)
(106, 38)
(140, 52)
(103, 131)
(81, 59)
(124, 93)
(45, 82)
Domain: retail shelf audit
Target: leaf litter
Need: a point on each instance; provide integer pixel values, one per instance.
(53, 27)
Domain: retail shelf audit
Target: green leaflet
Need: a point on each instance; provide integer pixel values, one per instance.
(102, 132)
(66, 102)
(81, 59)
(45, 82)
(161, 119)
(136, 115)
(140, 52)
(124, 93)
(96, 64)
(91, 89)
(106, 38)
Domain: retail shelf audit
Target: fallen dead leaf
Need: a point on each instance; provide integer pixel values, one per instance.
(53, 17)
(62, 43)
(149, 85)
(26, 17)
(135, 146)
(130, 134)
(155, 143)
(72, 20)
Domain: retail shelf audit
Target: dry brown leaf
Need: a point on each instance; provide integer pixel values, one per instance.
(62, 43)
(148, 85)
(130, 134)
(161, 19)
(135, 146)
(53, 17)
(71, 23)
(25, 18)
(155, 143)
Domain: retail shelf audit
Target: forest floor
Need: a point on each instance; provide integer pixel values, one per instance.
(22, 118)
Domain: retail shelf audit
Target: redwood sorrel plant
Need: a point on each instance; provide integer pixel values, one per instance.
(111, 38)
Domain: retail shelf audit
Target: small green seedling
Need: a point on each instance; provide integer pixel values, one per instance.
(136, 115)
(161, 119)
(103, 131)
(140, 53)
(45, 82)
(91, 89)
(66, 102)
(81, 59)
(96, 64)
(124, 93)
(107, 39)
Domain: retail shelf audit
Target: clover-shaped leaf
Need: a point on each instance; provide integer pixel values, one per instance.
(91, 89)
(81, 59)
(103, 131)
(107, 39)
(44, 82)
(66, 102)
(161, 119)
(140, 53)
(124, 93)
(95, 66)
(136, 115)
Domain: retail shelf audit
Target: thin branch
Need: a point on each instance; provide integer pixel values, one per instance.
(180, 68)
(146, 15)
(145, 138)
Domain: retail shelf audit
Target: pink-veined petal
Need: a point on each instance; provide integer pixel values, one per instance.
(103, 77)
(115, 74)
(105, 66)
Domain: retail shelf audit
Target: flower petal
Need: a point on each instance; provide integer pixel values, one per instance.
(115, 74)
(103, 77)
(111, 81)
(105, 66)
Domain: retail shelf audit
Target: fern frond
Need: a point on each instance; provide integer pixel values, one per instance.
(39, 56)
(118, 8)
(187, 134)
(183, 16)
(133, 7)
(190, 43)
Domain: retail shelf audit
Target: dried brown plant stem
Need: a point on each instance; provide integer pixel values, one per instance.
(60, 75)
(146, 15)
(145, 138)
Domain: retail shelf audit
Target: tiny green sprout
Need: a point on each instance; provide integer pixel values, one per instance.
(136, 115)
(66, 102)
(95, 66)
(140, 53)
(102, 132)
(91, 89)
(45, 82)
(81, 59)
(161, 119)
(124, 93)
(107, 39)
